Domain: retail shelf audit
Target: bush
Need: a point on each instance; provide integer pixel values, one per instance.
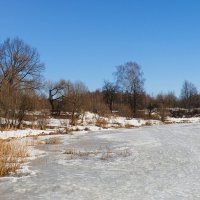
(127, 125)
(101, 123)
(124, 111)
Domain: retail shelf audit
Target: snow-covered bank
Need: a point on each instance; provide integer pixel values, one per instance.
(22, 133)
(90, 122)
(183, 120)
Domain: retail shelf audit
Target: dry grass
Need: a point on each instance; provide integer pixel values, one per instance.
(106, 153)
(42, 123)
(103, 153)
(53, 140)
(148, 123)
(124, 153)
(70, 151)
(33, 142)
(12, 154)
(35, 137)
(105, 156)
(75, 153)
(101, 123)
(127, 125)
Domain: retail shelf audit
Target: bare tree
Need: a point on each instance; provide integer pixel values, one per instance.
(161, 104)
(109, 93)
(130, 79)
(20, 75)
(188, 94)
(14, 104)
(56, 95)
(20, 64)
(75, 99)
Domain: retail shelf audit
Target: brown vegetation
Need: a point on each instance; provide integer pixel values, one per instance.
(11, 156)
(53, 140)
(101, 123)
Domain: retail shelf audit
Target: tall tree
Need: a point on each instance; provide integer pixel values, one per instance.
(20, 75)
(20, 64)
(130, 79)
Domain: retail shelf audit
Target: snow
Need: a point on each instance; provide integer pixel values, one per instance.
(183, 120)
(163, 162)
(88, 124)
(22, 133)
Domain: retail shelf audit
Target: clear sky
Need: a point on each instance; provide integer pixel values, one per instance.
(86, 39)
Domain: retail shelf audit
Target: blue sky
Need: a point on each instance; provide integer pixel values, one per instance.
(86, 39)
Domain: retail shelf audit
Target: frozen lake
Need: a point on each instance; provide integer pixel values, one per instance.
(148, 163)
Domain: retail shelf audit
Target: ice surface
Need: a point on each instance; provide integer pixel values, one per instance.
(163, 162)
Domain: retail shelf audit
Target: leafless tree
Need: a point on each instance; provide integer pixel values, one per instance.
(188, 94)
(75, 99)
(14, 104)
(20, 75)
(109, 93)
(20, 64)
(130, 79)
(56, 95)
(171, 100)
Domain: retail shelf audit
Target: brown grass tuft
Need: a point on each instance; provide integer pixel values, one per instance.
(12, 154)
(127, 125)
(74, 153)
(101, 123)
(53, 140)
(148, 123)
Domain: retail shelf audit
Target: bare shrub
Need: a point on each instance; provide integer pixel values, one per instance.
(127, 125)
(73, 153)
(101, 122)
(103, 153)
(77, 129)
(42, 123)
(53, 140)
(148, 123)
(86, 129)
(124, 153)
(70, 151)
(124, 110)
(105, 156)
(106, 153)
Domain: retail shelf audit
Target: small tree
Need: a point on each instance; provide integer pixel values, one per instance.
(56, 95)
(74, 99)
(188, 94)
(109, 93)
(130, 79)
(161, 105)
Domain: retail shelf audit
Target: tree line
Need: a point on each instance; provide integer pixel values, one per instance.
(23, 90)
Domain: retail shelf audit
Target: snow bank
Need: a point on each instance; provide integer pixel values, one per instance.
(87, 123)
(22, 133)
(183, 120)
